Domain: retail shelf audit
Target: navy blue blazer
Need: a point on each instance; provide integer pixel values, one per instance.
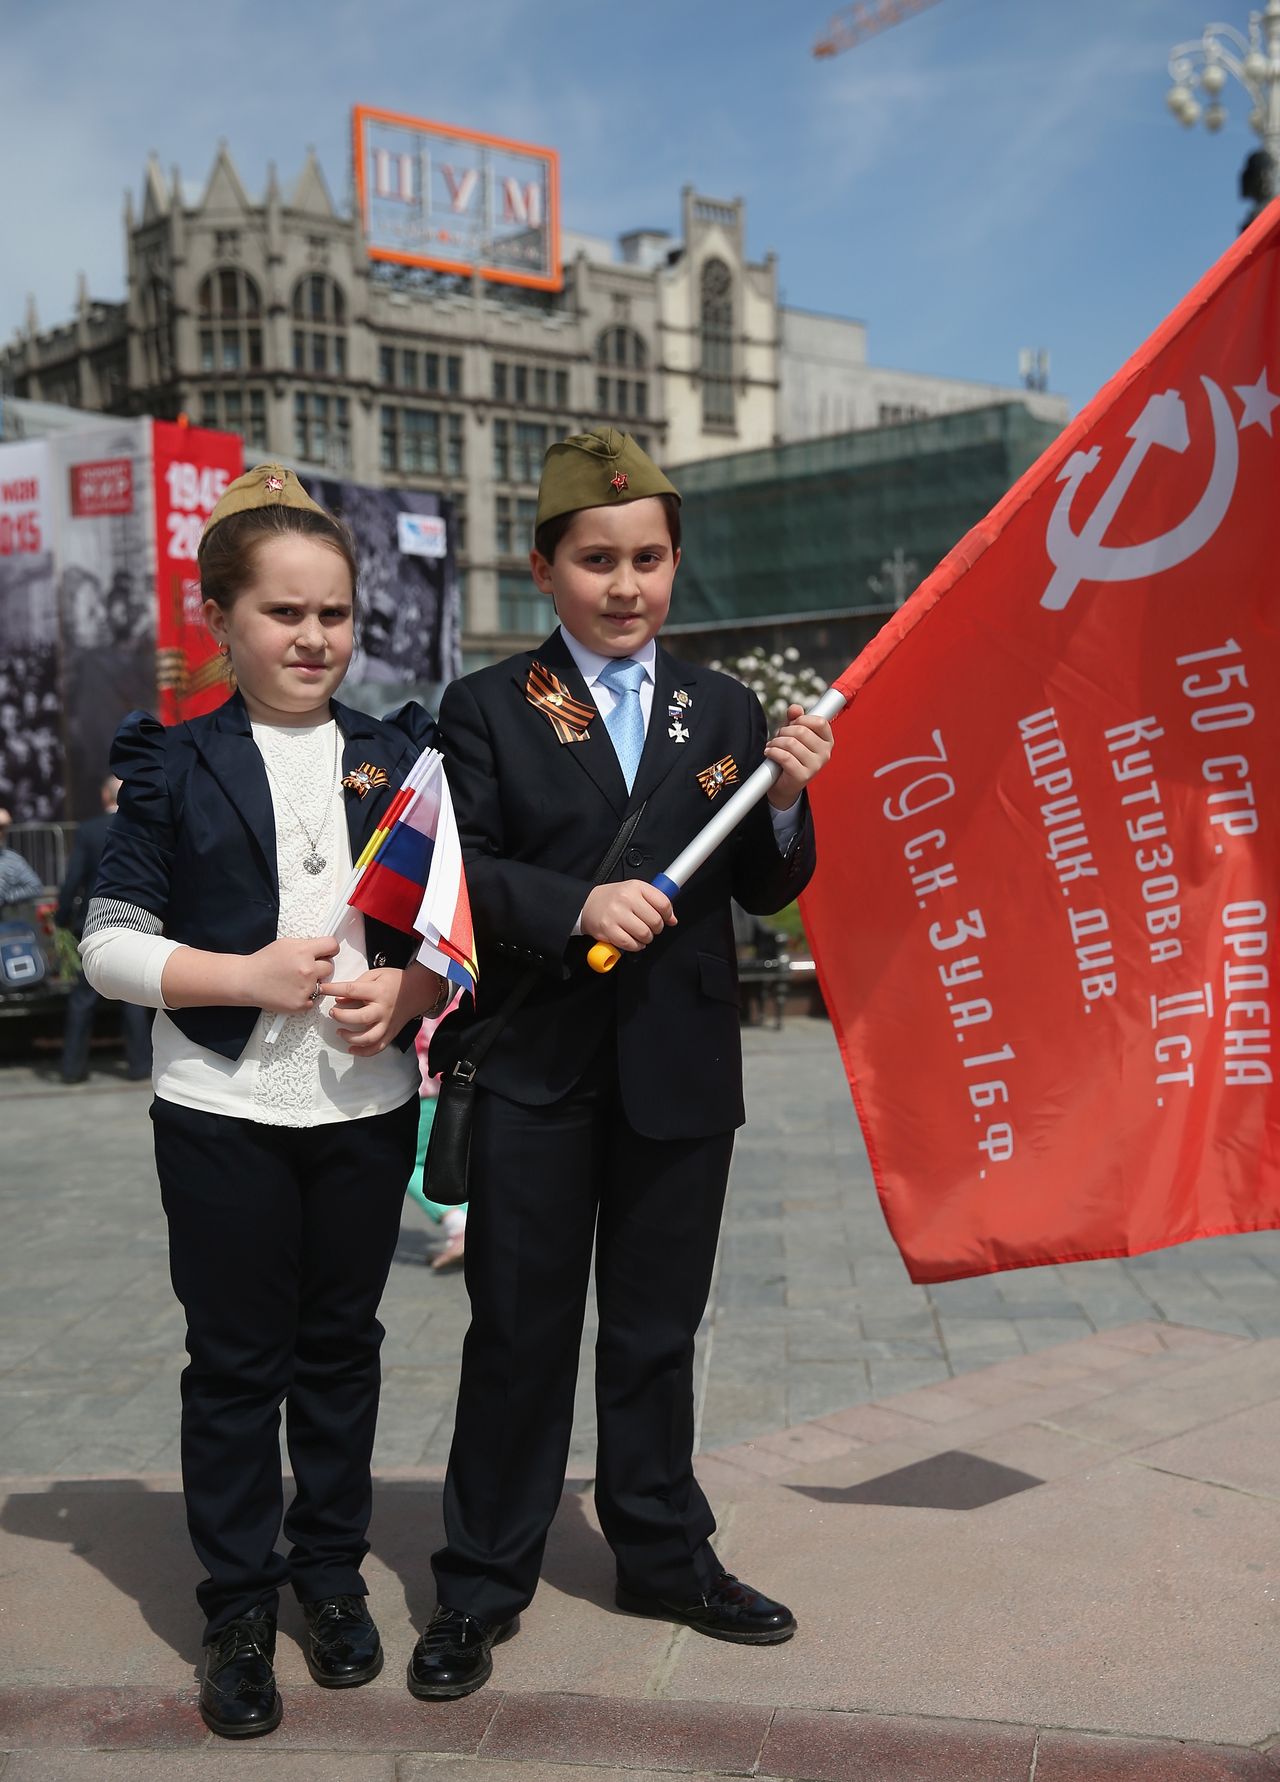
(194, 841)
(536, 816)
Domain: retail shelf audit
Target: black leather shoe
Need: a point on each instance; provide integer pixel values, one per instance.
(238, 1698)
(343, 1648)
(728, 1611)
(452, 1657)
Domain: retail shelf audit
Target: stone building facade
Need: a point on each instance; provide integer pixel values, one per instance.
(268, 318)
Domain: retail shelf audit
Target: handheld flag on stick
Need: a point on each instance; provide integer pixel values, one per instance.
(602, 956)
(1048, 869)
(410, 876)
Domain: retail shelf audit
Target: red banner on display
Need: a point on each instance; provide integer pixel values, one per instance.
(102, 489)
(192, 468)
(1044, 912)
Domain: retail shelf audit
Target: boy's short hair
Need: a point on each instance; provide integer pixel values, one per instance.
(546, 538)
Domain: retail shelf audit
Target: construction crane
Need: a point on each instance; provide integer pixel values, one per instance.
(852, 24)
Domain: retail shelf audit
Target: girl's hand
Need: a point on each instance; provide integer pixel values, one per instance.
(283, 977)
(802, 748)
(372, 1008)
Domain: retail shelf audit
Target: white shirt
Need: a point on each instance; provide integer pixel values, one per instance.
(591, 666)
(307, 1078)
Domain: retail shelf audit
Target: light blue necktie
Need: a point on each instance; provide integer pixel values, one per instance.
(625, 723)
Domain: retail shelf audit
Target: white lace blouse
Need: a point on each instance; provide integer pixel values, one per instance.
(307, 1078)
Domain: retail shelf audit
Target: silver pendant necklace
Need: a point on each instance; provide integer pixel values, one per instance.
(313, 862)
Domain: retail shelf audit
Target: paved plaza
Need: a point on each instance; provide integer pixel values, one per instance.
(811, 1311)
(1030, 1524)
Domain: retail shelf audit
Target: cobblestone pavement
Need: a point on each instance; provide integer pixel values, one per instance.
(811, 1310)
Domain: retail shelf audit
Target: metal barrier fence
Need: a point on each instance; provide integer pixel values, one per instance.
(45, 847)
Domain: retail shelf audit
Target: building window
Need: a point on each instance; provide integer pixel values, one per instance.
(230, 298)
(514, 519)
(520, 605)
(319, 326)
(455, 459)
(562, 389)
(717, 346)
(227, 411)
(520, 375)
(322, 430)
(459, 521)
(602, 395)
(389, 439)
(531, 446)
(499, 381)
(622, 346)
(453, 374)
(409, 369)
(387, 365)
(502, 451)
(421, 441)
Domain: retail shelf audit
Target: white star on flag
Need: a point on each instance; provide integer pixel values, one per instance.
(1258, 403)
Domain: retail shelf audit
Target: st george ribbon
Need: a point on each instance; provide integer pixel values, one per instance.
(1044, 916)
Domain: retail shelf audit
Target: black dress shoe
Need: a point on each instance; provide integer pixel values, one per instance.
(728, 1611)
(238, 1698)
(452, 1657)
(343, 1648)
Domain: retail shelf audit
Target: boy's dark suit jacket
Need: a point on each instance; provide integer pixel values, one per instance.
(194, 840)
(536, 817)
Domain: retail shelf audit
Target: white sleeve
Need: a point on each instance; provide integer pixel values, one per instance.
(127, 966)
(785, 823)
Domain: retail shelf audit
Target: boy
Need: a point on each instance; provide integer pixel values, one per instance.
(606, 1107)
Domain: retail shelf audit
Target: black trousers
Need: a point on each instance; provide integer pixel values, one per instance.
(280, 1241)
(82, 1007)
(545, 1182)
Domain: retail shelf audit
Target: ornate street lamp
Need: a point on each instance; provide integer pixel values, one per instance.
(1199, 72)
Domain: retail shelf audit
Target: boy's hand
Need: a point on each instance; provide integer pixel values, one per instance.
(801, 748)
(372, 1008)
(627, 916)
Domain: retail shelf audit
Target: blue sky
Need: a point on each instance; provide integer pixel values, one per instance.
(988, 175)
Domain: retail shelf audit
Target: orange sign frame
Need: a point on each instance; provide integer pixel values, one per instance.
(552, 280)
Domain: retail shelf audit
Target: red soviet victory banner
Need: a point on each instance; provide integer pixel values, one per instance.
(192, 467)
(1044, 911)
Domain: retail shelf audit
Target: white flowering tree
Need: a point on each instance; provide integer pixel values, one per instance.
(777, 680)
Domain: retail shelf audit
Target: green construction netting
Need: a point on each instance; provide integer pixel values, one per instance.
(844, 523)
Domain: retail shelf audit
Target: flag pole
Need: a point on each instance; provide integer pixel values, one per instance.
(602, 956)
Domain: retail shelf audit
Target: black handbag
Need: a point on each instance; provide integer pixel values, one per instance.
(444, 1174)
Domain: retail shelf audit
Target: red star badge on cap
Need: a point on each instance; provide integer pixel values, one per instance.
(275, 483)
(618, 482)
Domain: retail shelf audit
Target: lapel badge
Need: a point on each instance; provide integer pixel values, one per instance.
(681, 697)
(567, 716)
(720, 774)
(677, 732)
(365, 779)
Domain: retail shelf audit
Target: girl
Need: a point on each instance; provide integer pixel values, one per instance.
(282, 1166)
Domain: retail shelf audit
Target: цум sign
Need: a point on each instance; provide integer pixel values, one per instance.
(432, 195)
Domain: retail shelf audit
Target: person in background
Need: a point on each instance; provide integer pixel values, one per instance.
(17, 880)
(84, 1002)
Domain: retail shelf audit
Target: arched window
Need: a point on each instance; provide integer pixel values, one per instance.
(157, 331)
(621, 349)
(319, 326)
(229, 305)
(717, 346)
(321, 418)
(229, 313)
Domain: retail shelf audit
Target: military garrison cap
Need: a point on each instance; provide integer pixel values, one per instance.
(266, 485)
(597, 469)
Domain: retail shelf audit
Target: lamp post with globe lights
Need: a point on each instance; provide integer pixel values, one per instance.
(1199, 71)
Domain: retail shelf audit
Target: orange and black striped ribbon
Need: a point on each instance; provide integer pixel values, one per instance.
(720, 774)
(567, 716)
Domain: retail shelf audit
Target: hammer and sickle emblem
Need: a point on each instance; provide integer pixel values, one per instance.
(1082, 557)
